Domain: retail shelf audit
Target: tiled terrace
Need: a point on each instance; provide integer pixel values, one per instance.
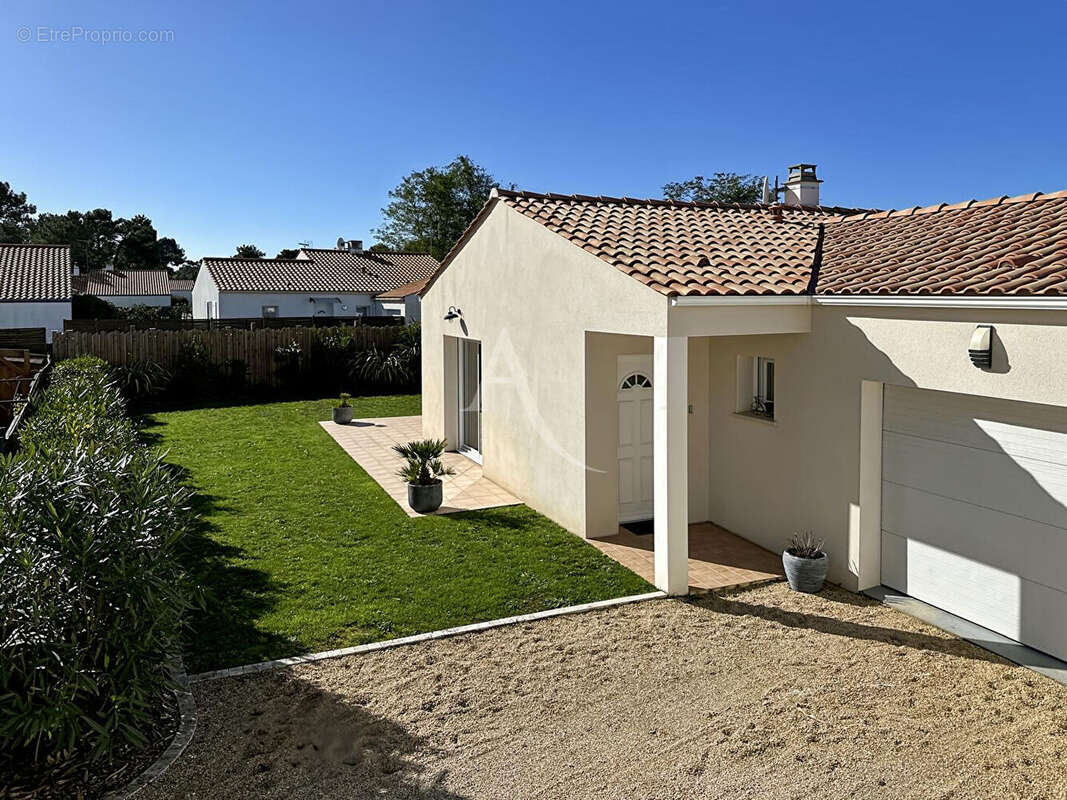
(717, 558)
(370, 442)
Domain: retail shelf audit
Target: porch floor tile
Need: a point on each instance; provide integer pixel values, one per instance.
(718, 559)
(370, 443)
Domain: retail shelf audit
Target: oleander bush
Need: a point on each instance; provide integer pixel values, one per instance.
(91, 591)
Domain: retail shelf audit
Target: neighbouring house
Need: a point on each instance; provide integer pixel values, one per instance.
(182, 288)
(342, 282)
(403, 301)
(35, 286)
(893, 381)
(126, 288)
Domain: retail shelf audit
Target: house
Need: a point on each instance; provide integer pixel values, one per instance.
(181, 288)
(893, 381)
(126, 288)
(403, 300)
(342, 282)
(35, 286)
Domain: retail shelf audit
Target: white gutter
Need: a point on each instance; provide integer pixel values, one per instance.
(887, 301)
(742, 300)
(943, 301)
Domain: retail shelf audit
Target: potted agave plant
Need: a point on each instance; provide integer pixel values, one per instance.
(342, 414)
(805, 563)
(422, 471)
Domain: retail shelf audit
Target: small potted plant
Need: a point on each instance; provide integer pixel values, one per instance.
(342, 414)
(805, 563)
(422, 471)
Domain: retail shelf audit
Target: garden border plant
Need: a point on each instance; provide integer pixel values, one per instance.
(94, 598)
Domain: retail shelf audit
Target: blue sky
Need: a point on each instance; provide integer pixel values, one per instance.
(271, 123)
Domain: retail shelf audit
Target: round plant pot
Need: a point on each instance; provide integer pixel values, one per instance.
(805, 574)
(425, 499)
(342, 415)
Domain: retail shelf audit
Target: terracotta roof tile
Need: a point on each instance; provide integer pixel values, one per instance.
(1001, 246)
(123, 283)
(321, 270)
(687, 248)
(1009, 246)
(34, 272)
(400, 292)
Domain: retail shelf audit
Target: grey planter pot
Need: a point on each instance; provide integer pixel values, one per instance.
(342, 415)
(805, 574)
(425, 499)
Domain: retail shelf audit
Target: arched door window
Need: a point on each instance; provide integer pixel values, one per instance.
(636, 380)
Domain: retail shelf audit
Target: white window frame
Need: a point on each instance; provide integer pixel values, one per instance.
(273, 311)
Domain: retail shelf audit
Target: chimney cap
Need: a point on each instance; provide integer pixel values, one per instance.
(802, 173)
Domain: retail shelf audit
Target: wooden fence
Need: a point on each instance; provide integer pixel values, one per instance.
(32, 339)
(243, 323)
(257, 349)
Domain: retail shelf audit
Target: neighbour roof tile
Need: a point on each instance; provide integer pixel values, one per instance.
(181, 284)
(321, 270)
(34, 272)
(400, 292)
(123, 283)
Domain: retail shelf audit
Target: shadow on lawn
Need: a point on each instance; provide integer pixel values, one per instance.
(222, 631)
(843, 627)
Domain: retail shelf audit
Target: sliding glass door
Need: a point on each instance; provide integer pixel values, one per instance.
(470, 398)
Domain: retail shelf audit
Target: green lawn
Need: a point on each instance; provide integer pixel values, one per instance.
(299, 550)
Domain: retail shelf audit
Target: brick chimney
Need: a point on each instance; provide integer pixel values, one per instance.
(802, 187)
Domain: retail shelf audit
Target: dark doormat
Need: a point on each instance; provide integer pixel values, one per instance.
(642, 528)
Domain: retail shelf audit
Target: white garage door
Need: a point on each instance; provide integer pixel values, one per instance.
(974, 510)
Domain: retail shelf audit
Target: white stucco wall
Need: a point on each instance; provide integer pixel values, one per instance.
(295, 304)
(767, 481)
(49, 316)
(126, 301)
(205, 291)
(409, 308)
(529, 296)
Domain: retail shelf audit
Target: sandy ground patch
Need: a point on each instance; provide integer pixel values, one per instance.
(760, 694)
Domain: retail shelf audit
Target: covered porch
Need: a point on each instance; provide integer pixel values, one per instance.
(653, 409)
(717, 559)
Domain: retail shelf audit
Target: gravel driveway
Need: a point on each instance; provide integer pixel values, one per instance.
(759, 694)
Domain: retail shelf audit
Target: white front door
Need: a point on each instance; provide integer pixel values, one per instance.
(635, 437)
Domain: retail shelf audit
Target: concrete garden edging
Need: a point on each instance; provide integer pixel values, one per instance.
(444, 633)
(182, 737)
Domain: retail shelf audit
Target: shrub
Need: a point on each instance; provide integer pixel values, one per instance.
(141, 379)
(91, 591)
(396, 368)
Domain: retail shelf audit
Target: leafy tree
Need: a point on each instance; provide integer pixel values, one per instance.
(724, 187)
(287, 253)
(431, 208)
(136, 245)
(248, 251)
(170, 252)
(92, 236)
(16, 215)
(87, 306)
(187, 271)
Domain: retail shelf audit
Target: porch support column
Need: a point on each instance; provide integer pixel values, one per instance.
(671, 466)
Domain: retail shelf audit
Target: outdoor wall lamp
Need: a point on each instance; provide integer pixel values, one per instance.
(981, 349)
(453, 313)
